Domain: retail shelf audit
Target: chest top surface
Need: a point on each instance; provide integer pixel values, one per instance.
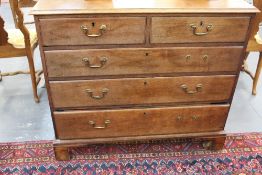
(49, 7)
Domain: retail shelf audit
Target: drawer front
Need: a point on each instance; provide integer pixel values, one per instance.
(92, 31)
(131, 91)
(199, 29)
(99, 62)
(138, 122)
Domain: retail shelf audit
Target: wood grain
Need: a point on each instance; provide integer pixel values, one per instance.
(137, 139)
(50, 7)
(140, 91)
(149, 39)
(137, 122)
(69, 63)
(61, 153)
(67, 31)
(178, 29)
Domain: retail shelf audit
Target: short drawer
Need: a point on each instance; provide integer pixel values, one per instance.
(138, 122)
(199, 29)
(92, 31)
(105, 62)
(130, 91)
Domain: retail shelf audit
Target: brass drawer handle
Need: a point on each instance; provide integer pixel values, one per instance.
(97, 97)
(93, 124)
(103, 61)
(194, 117)
(198, 89)
(189, 57)
(205, 58)
(194, 27)
(85, 30)
(179, 118)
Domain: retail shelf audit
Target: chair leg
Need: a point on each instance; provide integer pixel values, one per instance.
(244, 65)
(258, 71)
(32, 73)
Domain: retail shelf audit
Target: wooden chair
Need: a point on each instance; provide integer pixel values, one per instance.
(20, 42)
(22, 4)
(255, 45)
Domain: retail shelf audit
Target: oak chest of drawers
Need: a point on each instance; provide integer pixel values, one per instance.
(126, 70)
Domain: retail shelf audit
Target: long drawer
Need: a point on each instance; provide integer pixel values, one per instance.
(129, 91)
(199, 29)
(99, 62)
(93, 31)
(137, 122)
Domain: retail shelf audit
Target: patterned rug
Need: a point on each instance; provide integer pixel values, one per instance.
(242, 155)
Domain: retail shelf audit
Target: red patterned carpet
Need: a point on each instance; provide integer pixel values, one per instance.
(242, 155)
